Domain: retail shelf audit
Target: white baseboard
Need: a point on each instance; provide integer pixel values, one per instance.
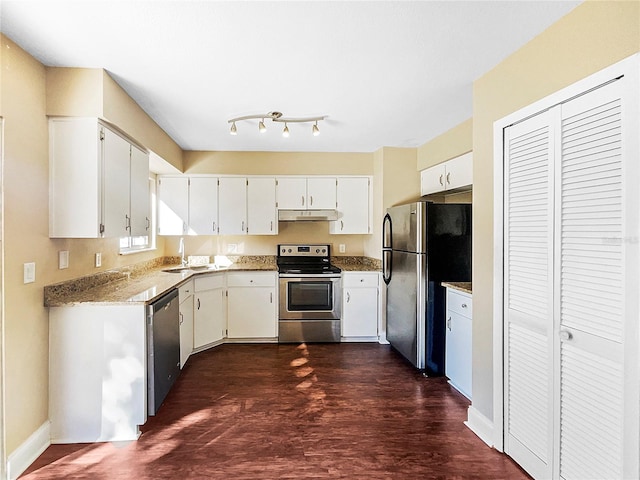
(26, 454)
(480, 425)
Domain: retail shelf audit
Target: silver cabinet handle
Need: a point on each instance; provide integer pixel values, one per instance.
(348, 297)
(303, 200)
(448, 180)
(566, 335)
(184, 227)
(148, 223)
(311, 200)
(243, 225)
(464, 305)
(449, 323)
(271, 297)
(341, 225)
(181, 318)
(127, 223)
(198, 304)
(441, 181)
(214, 226)
(271, 226)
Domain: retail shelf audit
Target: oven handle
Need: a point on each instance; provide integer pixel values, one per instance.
(310, 275)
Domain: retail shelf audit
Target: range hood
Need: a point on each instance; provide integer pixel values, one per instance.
(307, 215)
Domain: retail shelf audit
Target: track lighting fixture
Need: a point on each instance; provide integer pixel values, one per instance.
(277, 117)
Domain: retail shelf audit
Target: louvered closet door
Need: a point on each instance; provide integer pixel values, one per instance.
(597, 289)
(528, 296)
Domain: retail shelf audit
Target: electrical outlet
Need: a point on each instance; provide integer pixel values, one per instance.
(63, 259)
(342, 248)
(232, 248)
(98, 260)
(29, 273)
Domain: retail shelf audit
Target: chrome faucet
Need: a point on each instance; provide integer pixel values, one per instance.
(183, 261)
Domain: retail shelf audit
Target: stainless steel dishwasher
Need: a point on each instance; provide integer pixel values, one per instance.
(163, 352)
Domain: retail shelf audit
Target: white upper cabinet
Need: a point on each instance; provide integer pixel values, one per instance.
(262, 216)
(232, 214)
(450, 175)
(353, 204)
(203, 206)
(140, 222)
(173, 205)
(95, 181)
(296, 193)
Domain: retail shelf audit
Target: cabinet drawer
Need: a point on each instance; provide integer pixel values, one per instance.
(252, 279)
(185, 290)
(209, 282)
(459, 303)
(360, 279)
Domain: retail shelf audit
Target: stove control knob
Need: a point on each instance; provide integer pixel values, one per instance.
(324, 250)
(317, 250)
(284, 250)
(289, 250)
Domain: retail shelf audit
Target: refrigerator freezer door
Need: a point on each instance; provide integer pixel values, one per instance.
(407, 227)
(406, 306)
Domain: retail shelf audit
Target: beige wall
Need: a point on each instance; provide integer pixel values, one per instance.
(23, 106)
(453, 143)
(591, 37)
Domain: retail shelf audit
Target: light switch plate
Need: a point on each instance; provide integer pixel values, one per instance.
(98, 260)
(342, 248)
(29, 272)
(63, 259)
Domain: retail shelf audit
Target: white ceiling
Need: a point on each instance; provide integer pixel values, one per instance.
(387, 73)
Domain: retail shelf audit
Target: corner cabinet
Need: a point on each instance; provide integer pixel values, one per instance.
(458, 363)
(454, 174)
(209, 310)
(353, 202)
(360, 306)
(98, 181)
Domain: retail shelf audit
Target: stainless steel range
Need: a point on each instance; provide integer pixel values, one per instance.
(310, 294)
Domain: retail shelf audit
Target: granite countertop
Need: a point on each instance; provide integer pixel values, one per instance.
(462, 286)
(357, 264)
(139, 284)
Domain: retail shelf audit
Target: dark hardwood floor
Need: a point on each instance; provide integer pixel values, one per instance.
(317, 411)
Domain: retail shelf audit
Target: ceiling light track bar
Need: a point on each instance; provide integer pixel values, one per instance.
(277, 117)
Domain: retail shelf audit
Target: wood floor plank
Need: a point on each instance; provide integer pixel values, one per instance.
(317, 411)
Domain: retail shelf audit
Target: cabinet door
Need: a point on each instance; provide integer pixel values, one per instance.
(360, 312)
(261, 206)
(353, 206)
(173, 205)
(252, 312)
(140, 208)
(208, 319)
(458, 352)
(203, 206)
(291, 193)
(116, 154)
(232, 214)
(459, 171)
(432, 179)
(321, 193)
(186, 329)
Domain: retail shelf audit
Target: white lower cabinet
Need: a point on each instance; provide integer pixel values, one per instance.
(458, 341)
(360, 306)
(186, 321)
(209, 319)
(251, 304)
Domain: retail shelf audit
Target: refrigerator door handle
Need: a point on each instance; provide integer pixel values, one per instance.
(387, 255)
(387, 233)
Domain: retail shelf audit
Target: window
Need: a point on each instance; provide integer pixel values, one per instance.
(147, 242)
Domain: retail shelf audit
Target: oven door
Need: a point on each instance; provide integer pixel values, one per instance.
(313, 298)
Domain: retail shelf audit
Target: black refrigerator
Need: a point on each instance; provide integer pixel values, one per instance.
(424, 244)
